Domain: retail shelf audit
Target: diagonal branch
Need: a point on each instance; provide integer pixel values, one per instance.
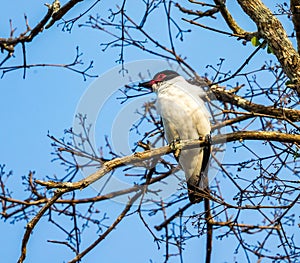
(295, 8)
(62, 11)
(227, 96)
(236, 29)
(64, 187)
(271, 29)
(10, 43)
(31, 225)
(198, 13)
(137, 157)
(111, 227)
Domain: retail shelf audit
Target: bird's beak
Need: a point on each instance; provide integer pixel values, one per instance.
(147, 84)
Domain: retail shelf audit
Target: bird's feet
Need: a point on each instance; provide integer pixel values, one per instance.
(174, 147)
(207, 139)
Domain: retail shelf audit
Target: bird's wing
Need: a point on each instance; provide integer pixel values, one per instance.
(191, 161)
(201, 119)
(194, 90)
(195, 161)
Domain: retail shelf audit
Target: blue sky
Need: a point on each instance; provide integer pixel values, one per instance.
(46, 101)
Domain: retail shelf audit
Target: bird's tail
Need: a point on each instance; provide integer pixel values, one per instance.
(200, 190)
(196, 194)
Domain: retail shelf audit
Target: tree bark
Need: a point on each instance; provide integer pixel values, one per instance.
(271, 29)
(295, 8)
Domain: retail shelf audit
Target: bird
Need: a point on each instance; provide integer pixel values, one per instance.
(184, 116)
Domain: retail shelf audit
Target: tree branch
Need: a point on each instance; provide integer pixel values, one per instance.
(209, 12)
(295, 8)
(271, 29)
(31, 225)
(236, 29)
(181, 145)
(111, 227)
(228, 96)
(27, 36)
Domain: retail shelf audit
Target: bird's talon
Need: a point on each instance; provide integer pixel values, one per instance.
(207, 139)
(173, 144)
(177, 153)
(174, 147)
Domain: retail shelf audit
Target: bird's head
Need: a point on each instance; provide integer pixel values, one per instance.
(159, 79)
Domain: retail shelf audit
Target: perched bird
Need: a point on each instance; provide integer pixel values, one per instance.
(184, 117)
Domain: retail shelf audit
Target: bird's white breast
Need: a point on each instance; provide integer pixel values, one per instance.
(179, 103)
(184, 117)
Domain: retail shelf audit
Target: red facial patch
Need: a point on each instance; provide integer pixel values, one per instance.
(160, 77)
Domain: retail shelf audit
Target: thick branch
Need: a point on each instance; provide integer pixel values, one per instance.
(182, 145)
(271, 29)
(62, 11)
(228, 96)
(295, 8)
(257, 136)
(137, 158)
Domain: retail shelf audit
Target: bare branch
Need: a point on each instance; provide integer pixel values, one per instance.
(229, 96)
(9, 44)
(230, 20)
(111, 227)
(271, 29)
(182, 145)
